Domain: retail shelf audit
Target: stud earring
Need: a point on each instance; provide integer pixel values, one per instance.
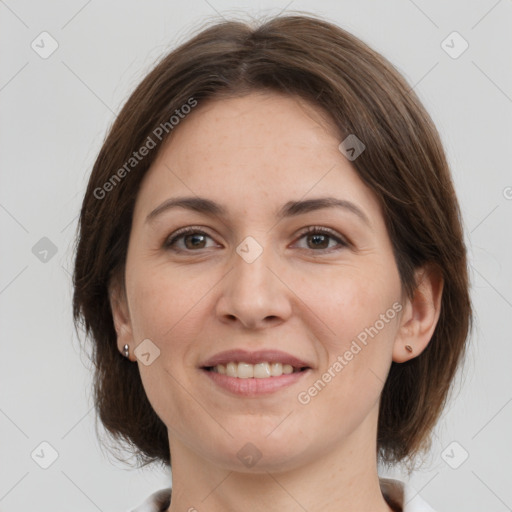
(126, 351)
(408, 348)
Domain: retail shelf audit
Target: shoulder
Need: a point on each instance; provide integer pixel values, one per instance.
(157, 502)
(401, 494)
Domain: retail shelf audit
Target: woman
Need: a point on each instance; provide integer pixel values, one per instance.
(271, 267)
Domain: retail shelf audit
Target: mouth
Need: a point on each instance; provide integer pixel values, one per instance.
(251, 374)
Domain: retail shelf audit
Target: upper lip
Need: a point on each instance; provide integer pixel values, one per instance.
(259, 356)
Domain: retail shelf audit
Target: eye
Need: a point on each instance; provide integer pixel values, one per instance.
(320, 238)
(192, 237)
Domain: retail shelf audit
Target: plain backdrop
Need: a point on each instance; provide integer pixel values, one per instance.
(55, 112)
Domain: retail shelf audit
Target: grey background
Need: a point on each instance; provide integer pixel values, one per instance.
(54, 115)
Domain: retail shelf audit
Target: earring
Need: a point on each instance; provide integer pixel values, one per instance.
(408, 348)
(126, 351)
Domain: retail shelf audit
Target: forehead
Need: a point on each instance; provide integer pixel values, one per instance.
(256, 132)
(262, 146)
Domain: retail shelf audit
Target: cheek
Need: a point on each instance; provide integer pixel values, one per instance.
(349, 299)
(164, 303)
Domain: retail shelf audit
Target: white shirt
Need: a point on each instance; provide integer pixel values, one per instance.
(394, 492)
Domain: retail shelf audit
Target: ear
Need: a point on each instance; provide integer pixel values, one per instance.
(121, 316)
(420, 314)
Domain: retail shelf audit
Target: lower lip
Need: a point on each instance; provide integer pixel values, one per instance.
(253, 386)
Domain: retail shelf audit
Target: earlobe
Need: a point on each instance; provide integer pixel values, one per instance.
(121, 317)
(420, 315)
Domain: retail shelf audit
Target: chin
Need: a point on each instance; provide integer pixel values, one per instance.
(258, 453)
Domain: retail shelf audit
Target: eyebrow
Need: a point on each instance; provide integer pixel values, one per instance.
(289, 209)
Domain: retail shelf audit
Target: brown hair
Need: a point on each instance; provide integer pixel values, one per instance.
(403, 163)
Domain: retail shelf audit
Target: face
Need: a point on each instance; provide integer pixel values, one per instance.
(317, 283)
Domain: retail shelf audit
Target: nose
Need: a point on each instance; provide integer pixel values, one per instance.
(254, 293)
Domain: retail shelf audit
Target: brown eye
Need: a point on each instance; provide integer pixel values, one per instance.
(320, 238)
(196, 241)
(192, 239)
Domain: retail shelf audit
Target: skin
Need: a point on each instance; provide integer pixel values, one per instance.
(306, 297)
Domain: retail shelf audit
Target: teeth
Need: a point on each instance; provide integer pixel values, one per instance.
(257, 371)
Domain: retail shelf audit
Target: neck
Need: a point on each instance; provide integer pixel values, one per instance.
(343, 479)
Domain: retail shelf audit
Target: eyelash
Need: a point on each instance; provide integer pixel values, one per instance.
(171, 240)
